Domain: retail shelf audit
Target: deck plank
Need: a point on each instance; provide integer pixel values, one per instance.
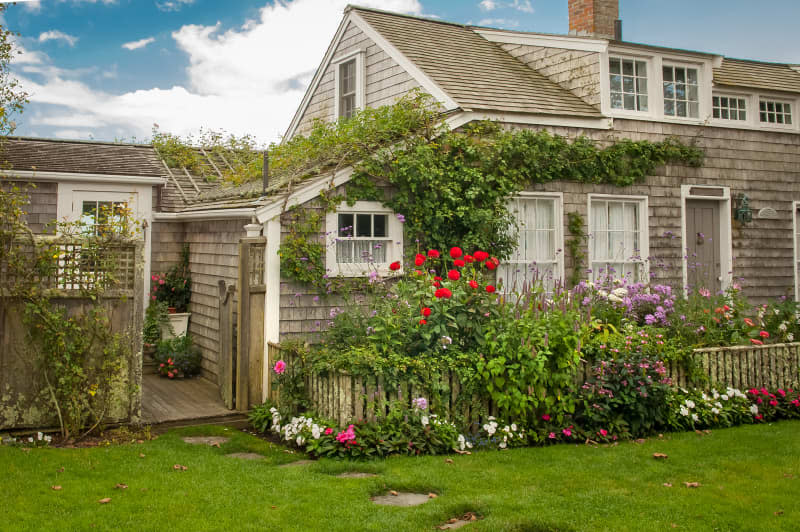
(165, 400)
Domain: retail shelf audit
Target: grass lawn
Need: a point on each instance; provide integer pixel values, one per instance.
(749, 476)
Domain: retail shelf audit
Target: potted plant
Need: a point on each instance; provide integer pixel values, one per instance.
(174, 289)
(178, 358)
(156, 318)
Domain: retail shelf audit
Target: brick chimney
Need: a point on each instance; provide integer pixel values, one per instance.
(594, 18)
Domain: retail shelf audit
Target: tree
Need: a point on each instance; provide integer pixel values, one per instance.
(12, 97)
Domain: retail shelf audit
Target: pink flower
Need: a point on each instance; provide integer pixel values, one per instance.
(781, 392)
(546, 417)
(280, 367)
(756, 342)
(796, 402)
(764, 334)
(603, 432)
(567, 432)
(552, 436)
(328, 431)
(773, 403)
(764, 391)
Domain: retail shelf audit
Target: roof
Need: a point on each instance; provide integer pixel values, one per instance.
(80, 157)
(758, 75)
(475, 73)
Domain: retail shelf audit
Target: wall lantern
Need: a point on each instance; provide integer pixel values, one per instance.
(743, 213)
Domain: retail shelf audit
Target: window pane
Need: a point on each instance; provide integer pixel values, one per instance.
(669, 90)
(616, 100)
(629, 101)
(641, 85)
(627, 68)
(680, 75)
(694, 109)
(716, 112)
(742, 115)
(616, 83)
(379, 227)
(667, 74)
(613, 65)
(345, 225)
(642, 103)
(691, 75)
(364, 225)
(680, 108)
(627, 84)
(641, 69)
(669, 107)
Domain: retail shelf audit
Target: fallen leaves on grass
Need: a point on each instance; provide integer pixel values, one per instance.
(448, 461)
(692, 484)
(178, 467)
(60, 470)
(121, 487)
(105, 500)
(659, 456)
(779, 512)
(432, 495)
(393, 493)
(55, 488)
(215, 444)
(141, 455)
(667, 485)
(640, 441)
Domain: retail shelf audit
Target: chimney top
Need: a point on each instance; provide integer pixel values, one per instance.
(594, 18)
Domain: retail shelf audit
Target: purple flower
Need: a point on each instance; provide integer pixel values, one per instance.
(401, 218)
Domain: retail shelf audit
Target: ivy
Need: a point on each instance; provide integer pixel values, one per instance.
(575, 224)
(301, 252)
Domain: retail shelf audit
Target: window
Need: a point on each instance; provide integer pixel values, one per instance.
(363, 238)
(628, 84)
(729, 108)
(539, 249)
(681, 92)
(775, 112)
(100, 217)
(347, 88)
(618, 237)
(797, 252)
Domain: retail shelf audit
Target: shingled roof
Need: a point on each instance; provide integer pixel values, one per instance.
(79, 157)
(758, 75)
(475, 73)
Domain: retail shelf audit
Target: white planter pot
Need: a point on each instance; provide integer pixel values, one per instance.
(180, 324)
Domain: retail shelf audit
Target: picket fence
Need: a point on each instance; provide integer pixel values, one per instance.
(343, 397)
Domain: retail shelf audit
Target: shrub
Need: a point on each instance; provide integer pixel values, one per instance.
(155, 317)
(178, 357)
(697, 409)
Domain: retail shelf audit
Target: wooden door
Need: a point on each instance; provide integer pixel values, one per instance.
(703, 245)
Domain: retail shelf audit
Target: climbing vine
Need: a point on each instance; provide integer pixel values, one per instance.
(574, 246)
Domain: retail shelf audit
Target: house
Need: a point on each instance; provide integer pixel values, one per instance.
(735, 214)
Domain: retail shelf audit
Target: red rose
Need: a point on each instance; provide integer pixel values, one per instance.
(473, 283)
(460, 263)
(469, 258)
(422, 322)
(456, 252)
(437, 278)
(490, 288)
(395, 266)
(756, 342)
(453, 275)
(419, 260)
(492, 263)
(437, 284)
(443, 293)
(481, 256)
(764, 334)
(432, 253)
(425, 312)
(418, 272)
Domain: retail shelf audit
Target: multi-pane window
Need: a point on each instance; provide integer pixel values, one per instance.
(616, 238)
(538, 244)
(729, 108)
(774, 112)
(363, 238)
(347, 89)
(628, 84)
(797, 253)
(101, 217)
(681, 91)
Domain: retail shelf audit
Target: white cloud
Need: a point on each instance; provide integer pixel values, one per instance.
(141, 43)
(523, 5)
(488, 5)
(247, 80)
(32, 6)
(520, 5)
(498, 23)
(56, 35)
(172, 5)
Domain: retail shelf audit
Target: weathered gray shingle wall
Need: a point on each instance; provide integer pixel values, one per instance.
(42, 211)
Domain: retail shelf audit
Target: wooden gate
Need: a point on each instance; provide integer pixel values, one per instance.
(241, 326)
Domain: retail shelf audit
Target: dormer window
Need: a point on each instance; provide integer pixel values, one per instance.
(773, 112)
(628, 79)
(349, 84)
(681, 91)
(729, 108)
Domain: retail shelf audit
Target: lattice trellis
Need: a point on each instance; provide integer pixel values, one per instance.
(80, 269)
(256, 264)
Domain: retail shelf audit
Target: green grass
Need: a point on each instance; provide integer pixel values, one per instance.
(747, 474)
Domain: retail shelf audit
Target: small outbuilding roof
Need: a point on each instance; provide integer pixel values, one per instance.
(758, 75)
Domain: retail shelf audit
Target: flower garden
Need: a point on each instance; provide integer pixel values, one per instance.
(537, 367)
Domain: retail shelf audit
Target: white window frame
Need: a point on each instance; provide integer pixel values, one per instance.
(776, 99)
(394, 248)
(725, 232)
(795, 236)
(558, 240)
(359, 56)
(648, 65)
(644, 231)
(733, 96)
(669, 63)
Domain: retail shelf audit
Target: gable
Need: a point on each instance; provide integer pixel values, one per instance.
(385, 80)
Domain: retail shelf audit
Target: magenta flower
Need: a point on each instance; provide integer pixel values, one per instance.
(552, 436)
(280, 367)
(328, 431)
(567, 432)
(603, 432)
(546, 417)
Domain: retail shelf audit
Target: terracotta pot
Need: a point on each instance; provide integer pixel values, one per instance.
(172, 310)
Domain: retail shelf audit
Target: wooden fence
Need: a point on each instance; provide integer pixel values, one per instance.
(343, 397)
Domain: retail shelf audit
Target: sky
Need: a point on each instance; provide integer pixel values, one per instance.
(112, 69)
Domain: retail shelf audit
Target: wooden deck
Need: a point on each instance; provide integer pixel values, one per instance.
(165, 400)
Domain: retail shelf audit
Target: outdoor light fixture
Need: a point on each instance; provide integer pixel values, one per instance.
(743, 213)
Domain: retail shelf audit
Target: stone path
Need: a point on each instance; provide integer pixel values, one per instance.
(246, 456)
(297, 463)
(206, 440)
(401, 499)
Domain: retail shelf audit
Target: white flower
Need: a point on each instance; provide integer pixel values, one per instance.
(614, 299)
(602, 293)
(715, 410)
(276, 427)
(718, 404)
(776, 312)
(503, 445)
(689, 404)
(694, 417)
(300, 441)
(620, 292)
(491, 429)
(461, 442)
(39, 436)
(491, 418)
(715, 394)
(30, 440)
(514, 427)
(782, 327)
(684, 411)
(48, 439)
(704, 396)
(724, 397)
(425, 421)
(315, 432)
(790, 337)
(754, 409)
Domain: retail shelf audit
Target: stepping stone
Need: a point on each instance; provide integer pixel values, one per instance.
(205, 440)
(355, 474)
(401, 499)
(458, 523)
(297, 463)
(246, 456)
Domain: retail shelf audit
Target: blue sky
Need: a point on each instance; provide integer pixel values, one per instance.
(110, 69)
